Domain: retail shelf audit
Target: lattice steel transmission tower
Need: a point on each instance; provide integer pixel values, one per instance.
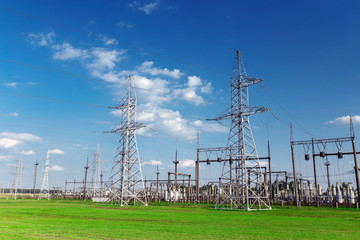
(96, 170)
(242, 182)
(126, 180)
(16, 187)
(45, 191)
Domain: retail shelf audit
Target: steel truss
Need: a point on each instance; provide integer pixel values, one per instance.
(242, 183)
(126, 180)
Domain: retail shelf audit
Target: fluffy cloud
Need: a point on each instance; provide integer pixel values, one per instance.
(14, 114)
(10, 84)
(27, 153)
(146, 8)
(57, 151)
(194, 81)
(65, 51)
(207, 88)
(187, 163)
(210, 127)
(56, 168)
(152, 163)
(345, 120)
(9, 143)
(41, 39)
(21, 136)
(5, 157)
(147, 67)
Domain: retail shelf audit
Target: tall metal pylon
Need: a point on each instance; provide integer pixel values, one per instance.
(96, 170)
(16, 187)
(45, 191)
(242, 180)
(126, 180)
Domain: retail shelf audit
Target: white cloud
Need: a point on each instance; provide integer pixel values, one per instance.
(146, 67)
(189, 95)
(10, 84)
(57, 151)
(27, 153)
(207, 88)
(123, 24)
(65, 51)
(210, 127)
(345, 120)
(108, 41)
(149, 8)
(194, 81)
(152, 163)
(9, 143)
(146, 8)
(14, 114)
(5, 157)
(41, 39)
(187, 163)
(21, 136)
(56, 168)
(105, 60)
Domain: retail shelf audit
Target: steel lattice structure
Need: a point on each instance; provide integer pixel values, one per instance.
(17, 183)
(242, 183)
(96, 168)
(126, 180)
(45, 191)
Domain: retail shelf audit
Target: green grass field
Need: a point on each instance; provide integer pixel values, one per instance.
(65, 219)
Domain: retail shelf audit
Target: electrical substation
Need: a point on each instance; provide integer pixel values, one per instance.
(247, 181)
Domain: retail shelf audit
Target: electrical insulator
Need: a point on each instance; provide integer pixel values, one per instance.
(339, 154)
(230, 160)
(307, 157)
(322, 154)
(219, 159)
(208, 162)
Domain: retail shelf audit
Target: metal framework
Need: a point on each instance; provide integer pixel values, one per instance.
(322, 142)
(17, 183)
(242, 183)
(96, 170)
(126, 180)
(45, 191)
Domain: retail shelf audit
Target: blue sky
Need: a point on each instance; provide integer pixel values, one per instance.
(181, 53)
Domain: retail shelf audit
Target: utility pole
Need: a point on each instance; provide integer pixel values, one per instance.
(296, 193)
(197, 166)
(176, 170)
(86, 170)
(316, 192)
(157, 183)
(352, 136)
(17, 176)
(96, 167)
(126, 179)
(271, 192)
(327, 164)
(241, 146)
(36, 166)
(45, 191)
(74, 188)
(101, 184)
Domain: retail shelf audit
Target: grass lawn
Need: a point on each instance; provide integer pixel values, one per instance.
(66, 219)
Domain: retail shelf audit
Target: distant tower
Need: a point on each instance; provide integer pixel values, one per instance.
(126, 180)
(45, 191)
(96, 172)
(242, 179)
(17, 184)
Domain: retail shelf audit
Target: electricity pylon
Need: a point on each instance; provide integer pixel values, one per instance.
(243, 177)
(126, 180)
(95, 183)
(45, 191)
(17, 183)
